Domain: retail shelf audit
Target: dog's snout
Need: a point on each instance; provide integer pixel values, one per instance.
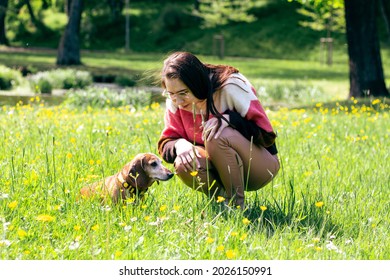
(170, 175)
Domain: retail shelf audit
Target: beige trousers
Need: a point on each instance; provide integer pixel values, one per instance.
(231, 165)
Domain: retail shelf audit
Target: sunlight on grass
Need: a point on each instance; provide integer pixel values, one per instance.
(329, 201)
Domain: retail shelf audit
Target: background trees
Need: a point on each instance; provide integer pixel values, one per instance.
(365, 63)
(3, 12)
(69, 48)
(161, 26)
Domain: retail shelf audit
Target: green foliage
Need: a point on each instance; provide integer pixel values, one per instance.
(9, 78)
(45, 81)
(296, 93)
(322, 14)
(125, 81)
(222, 12)
(107, 98)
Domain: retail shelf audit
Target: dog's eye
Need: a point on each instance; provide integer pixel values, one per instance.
(153, 164)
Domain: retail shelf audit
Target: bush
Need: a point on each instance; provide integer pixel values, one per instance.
(125, 81)
(44, 86)
(104, 98)
(60, 79)
(296, 92)
(9, 78)
(41, 83)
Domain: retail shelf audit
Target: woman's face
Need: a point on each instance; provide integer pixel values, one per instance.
(180, 94)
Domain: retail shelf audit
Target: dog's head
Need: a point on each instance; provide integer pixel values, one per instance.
(144, 170)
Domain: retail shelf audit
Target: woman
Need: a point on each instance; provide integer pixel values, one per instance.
(216, 132)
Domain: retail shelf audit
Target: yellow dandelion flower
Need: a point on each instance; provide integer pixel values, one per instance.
(45, 218)
(72, 140)
(78, 238)
(118, 254)
(27, 252)
(69, 155)
(263, 208)
(144, 206)
(318, 249)
(176, 207)
(220, 199)
(194, 173)
(319, 204)
(91, 162)
(13, 204)
(155, 105)
(243, 237)
(234, 233)
(220, 248)
(163, 208)
(21, 233)
(95, 227)
(209, 240)
(230, 254)
(77, 227)
(376, 101)
(147, 218)
(246, 221)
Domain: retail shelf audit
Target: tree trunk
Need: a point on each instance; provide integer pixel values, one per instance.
(31, 12)
(3, 13)
(385, 9)
(365, 65)
(69, 48)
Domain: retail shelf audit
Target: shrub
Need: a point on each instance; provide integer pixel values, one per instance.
(125, 81)
(9, 78)
(44, 86)
(41, 83)
(103, 97)
(60, 79)
(296, 92)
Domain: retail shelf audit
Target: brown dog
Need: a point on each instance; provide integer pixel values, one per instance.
(132, 181)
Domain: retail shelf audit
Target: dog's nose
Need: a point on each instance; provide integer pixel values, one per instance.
(170, 175)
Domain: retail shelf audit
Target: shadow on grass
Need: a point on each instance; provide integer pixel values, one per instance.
(306, 216)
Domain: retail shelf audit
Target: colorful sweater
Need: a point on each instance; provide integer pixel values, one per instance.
(237, 97)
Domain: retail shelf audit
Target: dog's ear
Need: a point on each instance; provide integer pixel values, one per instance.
(138, 173)
(144, 161)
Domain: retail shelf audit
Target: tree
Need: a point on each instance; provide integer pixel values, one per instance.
(385, 9)
(3, 13)
(69, 48)
(365, 64)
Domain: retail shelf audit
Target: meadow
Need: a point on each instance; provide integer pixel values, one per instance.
(328, 202)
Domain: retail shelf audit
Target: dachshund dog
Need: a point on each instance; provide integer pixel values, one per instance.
(132, 181)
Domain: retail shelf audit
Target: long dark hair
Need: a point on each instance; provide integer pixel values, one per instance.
(202, 79)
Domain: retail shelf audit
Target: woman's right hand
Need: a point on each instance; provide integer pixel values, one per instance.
(187, 155)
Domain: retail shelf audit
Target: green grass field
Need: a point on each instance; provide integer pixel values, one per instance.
(329, 201)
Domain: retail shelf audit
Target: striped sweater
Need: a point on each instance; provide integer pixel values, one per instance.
(236, 97)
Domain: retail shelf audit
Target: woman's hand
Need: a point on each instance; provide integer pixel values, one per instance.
(210, 128)
(187, 155)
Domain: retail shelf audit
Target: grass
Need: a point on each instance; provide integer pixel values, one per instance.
(329, 201)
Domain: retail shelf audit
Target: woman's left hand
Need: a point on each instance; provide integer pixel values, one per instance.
(211, 129)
